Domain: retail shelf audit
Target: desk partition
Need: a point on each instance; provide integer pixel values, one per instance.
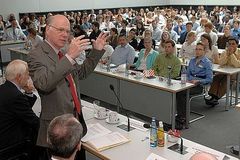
(148, 97)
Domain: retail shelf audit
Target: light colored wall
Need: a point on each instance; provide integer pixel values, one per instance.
(21, 6)
(205, 2)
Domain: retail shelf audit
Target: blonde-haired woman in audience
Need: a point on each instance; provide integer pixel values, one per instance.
(189, 46)
(165, 37)
(146, 33)
(211, 51)
(149, 18)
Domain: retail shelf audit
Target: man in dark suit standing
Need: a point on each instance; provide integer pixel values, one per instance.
(53, 73)
(18, 122)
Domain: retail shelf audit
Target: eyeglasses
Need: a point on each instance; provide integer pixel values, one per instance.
(61, 30)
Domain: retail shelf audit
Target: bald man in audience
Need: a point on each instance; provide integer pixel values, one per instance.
(64, 137)
(18, 122)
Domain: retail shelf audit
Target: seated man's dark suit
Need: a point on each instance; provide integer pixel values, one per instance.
(17, 119)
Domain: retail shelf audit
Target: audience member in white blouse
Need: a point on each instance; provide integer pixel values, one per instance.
(188, 47)
(200, 29)
(107, 54)
(208, 29)
(211, 51)
(34, 38)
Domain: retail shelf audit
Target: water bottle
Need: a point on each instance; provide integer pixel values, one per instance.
(183, 75)
(108, 64)
(153, 133)
(127, 70)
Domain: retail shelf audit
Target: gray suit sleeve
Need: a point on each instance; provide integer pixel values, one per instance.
(89, 64)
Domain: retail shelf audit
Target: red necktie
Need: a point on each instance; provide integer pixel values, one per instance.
(73, 90)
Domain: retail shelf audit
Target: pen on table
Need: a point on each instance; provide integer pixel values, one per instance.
(145, 139)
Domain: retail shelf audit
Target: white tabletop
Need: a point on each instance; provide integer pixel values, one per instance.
(139, 147)
(225, 69)
(19, 50)
(11, 42)
(154, 83)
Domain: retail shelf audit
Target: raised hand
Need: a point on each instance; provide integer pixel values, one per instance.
(100, 42)
(77, 45)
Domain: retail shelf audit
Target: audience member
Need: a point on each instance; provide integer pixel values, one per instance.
(222, 40)
(95, 31)
(146, 33)
(173, 34)
(183, 34)
(194, 23)
(180, 27)
(146, 56)
(208, 30)
(123, 53)
(199, 72)
(166, 59)
(18, 122)
(64, 137)
(211, 51)
(230, 57)
(189, 47)
(13, 32)
(34, 38)
(132, 38)
(140, 29)
(156, 31)
(113, 38)
(235, 31)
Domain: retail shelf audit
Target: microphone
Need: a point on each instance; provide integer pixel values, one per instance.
(146, 125)
(128, 120)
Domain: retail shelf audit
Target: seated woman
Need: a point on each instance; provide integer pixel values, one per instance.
(132, 38)
(230, 57)
(34, 38)
(165, 37)
(188, 47)
(199, 72)
(147, 56)
(112, 39)
(211, 51)
(146, 33)
(140, 29)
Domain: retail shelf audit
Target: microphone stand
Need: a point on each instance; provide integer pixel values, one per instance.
(128, 120)
(181, 140)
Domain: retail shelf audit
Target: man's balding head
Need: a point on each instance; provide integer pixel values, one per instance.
(57, 31)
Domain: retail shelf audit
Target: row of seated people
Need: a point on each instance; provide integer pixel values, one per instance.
(175, 23)
(199, 68)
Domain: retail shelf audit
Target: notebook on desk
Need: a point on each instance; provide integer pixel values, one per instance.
(100, 138)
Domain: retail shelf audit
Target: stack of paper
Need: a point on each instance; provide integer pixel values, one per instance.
(100, 138)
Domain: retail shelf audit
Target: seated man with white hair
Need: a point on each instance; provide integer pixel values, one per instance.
(64, 137)
(18, 122)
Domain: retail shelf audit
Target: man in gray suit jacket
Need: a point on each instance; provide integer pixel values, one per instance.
(49, 73)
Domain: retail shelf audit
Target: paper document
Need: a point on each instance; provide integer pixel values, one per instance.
(108, 141)
(153, 156)
(197, 149)
(94, 131)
